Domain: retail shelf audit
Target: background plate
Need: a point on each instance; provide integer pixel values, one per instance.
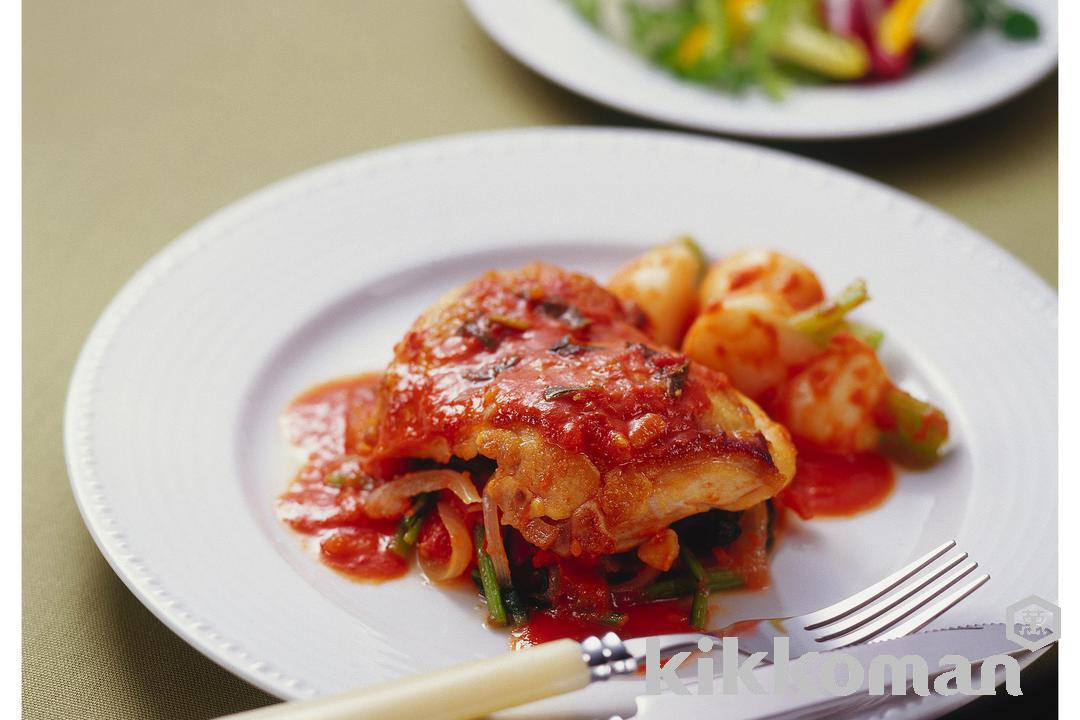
(171, 427)
(983, 70)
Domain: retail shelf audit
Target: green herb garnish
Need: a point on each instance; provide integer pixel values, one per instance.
(488, 373)
(479, 329)
(557, 391)
(567, 347)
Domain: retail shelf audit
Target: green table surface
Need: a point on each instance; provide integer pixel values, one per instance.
(141, 117)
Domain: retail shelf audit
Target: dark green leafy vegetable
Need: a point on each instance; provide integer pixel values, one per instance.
(1012, 22)
(515, 605)
(1019, 25)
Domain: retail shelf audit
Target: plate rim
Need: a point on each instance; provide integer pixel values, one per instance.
(124, 561)
(482, 12)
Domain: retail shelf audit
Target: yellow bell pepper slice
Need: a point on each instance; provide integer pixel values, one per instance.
(896, 30)
(692, 47)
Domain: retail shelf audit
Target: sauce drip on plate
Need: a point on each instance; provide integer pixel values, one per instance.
(331, 425)
(829, 485)
(655, 618)
(325, 500)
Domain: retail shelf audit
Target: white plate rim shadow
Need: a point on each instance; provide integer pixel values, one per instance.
(982, 71)
(164, 386)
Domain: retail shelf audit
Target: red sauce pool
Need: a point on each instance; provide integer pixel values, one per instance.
(330, 423)
(655, 618)
(829, 485)
(325, 500)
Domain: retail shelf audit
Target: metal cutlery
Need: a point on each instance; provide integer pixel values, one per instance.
(898, 605)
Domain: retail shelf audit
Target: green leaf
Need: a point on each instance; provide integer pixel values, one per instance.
(589, 9)
(1019, 25)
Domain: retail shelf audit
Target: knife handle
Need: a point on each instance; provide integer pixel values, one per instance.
(464, 691)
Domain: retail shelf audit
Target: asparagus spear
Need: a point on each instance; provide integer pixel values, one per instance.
(682, 586)
(699, 611)
(490, 582)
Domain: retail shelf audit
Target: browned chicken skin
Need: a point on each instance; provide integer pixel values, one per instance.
(601, 438)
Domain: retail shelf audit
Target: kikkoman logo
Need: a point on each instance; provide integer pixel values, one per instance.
(1033, 623)
(833, 673)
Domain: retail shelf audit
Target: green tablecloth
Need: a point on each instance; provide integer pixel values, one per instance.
(143, 117)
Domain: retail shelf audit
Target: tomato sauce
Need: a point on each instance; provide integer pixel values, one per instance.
(570, 361)
(655, 618)
(830, 485)
(329, 423)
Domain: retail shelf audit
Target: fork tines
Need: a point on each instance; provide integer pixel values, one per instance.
(899, 605)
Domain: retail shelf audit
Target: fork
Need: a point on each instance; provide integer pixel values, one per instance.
(898, 605)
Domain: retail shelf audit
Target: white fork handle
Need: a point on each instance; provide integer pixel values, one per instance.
(464, 691)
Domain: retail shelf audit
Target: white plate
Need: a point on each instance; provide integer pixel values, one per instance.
(984, 70)
(172, 419)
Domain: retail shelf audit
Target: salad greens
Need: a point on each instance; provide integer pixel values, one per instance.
(771, 44)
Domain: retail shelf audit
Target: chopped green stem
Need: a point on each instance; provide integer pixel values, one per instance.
(488, 579)
(915, 430)
(408, 529)
(699, 611)
(693, 565)
(822, 320)
(867, 333)
(613, 618)
(693, 247)
(684, 585)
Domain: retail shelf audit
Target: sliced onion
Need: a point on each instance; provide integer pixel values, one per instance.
(493, 535)
(392, 499)
(461, 547)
